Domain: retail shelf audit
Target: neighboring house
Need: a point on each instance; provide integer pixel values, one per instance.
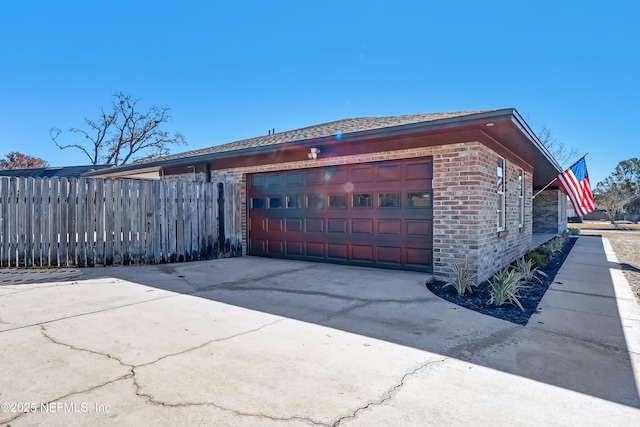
(417, 192)
(51, 172)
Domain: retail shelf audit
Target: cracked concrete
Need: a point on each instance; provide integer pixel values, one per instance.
(388, 395)
(261, 342)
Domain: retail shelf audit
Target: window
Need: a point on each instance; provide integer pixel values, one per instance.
(419, 200)
(314, 202)
(337, 201)
(389, 200)
(293, 202)
(521, 198)
(257, 203)
(362, 200)
(500, 180)
(275, 202)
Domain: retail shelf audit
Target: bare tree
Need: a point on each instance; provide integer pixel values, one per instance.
(565, 155)
(121, 135)
(17, 160)
(611, 196)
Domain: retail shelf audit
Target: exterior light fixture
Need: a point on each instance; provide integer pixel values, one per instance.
(313, 153)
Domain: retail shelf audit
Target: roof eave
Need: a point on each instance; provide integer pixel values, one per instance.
(529, 134)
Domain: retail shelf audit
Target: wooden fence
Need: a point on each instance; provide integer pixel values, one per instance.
(62, 222)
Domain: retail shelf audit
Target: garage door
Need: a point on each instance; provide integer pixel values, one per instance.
(374, 214)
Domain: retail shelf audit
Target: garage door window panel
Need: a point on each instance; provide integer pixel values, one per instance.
(362, 200)
(293, 202)
(274, 202)
(337, 201)
(257, 203)
(421, 199)
(315, 201)
(389, 200)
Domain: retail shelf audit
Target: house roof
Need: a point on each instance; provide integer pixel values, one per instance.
(48, 172)
(344, 127)
(347, 130)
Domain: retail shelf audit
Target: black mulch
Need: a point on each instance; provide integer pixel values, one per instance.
(477, 301)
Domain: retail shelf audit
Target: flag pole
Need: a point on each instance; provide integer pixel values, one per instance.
(553, 180)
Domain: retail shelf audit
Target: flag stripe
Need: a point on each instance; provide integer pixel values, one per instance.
(578, 188)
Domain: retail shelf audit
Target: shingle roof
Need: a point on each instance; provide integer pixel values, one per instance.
(345, 127)
(48, 172)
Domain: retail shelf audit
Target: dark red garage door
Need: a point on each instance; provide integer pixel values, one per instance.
(373, 214)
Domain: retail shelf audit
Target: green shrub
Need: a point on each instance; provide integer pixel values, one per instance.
(544, 250)
(573, 231)
(555, 245)
(540, 255)
(463, 280)
(528, 271)
(506, 285)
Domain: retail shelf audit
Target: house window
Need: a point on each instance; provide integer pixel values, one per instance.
(521, 198)
(500, 179)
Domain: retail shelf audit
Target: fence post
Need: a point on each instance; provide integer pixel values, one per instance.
(4, 222)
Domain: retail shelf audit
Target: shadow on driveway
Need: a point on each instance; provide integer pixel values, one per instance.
(578, 341)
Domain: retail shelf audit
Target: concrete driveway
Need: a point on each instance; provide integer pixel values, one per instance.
(254, 341)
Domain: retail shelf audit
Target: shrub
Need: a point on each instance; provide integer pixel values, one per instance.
(573, 231)
(505, 288)
(540, 255)
(555, 245)
(528, 270)
(463, 280)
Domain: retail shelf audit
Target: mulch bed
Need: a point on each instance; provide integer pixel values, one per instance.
(477, 301)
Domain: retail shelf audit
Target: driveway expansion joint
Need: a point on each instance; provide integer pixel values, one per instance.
(389, 394)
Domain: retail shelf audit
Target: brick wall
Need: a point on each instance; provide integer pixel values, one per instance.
(550, 212)
(497, 249)
(464, 203)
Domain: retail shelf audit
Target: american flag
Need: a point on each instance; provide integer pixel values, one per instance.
(575, 182)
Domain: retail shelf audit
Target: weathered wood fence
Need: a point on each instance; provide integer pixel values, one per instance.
(62, 222)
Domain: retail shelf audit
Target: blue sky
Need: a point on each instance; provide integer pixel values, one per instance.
(230, 71)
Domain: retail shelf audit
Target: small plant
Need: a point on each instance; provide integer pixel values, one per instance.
(555, 245)
(505, 288)
(528, 270)
(463, 280)
(573, 231)
(540, 256)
